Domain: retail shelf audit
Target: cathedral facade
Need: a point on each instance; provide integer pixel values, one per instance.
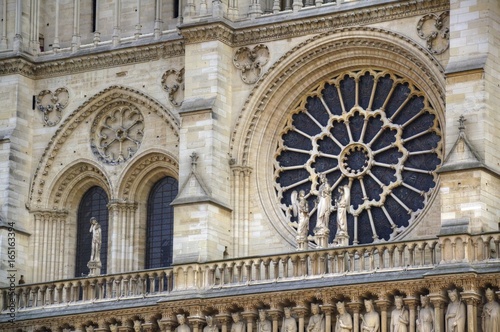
(250, 165)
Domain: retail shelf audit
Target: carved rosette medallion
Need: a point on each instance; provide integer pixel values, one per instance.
(51, 105)
(250, 62)
(435, 30)
(172, 82)
(117, 133)
(373, 131)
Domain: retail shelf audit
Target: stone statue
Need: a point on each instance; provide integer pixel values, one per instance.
(289, 323)
(300, 209)
(113, 327)
(343, 204)
(324, 205)
(183, 327)
(455, 313)
(316, 321)
(399, 316)
(370, 321)
(95, 229)
(89, 328)
(491, 313)
(211, 327)
(238, 325)
(425, 319)
(137, 325)
(264, 324)
(344, 319)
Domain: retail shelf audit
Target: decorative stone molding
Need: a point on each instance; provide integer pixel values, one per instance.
(216, 31)
(172, 81)
(89, 108)
(117, 132)
(51, 105)
(435, 30)
(250, 62)
(33, 68)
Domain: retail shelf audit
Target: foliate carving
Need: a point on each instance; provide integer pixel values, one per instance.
(250, 62)
(434, 29)
(117, 133)
(172, 81)
(51, 105)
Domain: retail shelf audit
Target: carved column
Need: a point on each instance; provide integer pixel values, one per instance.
(384, 305)
(275, 315)
(472, 299)
(301, 312)
(355, 306)
(122, 230)
(223, 320)
(167, 322)
(250, 316)
(411, 302)
(328, 310)
(240, 199)
(438, 301)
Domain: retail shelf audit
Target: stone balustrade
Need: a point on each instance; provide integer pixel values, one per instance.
(424, 255)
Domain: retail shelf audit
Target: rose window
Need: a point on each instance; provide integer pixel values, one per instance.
(373, 131)
(117, 134)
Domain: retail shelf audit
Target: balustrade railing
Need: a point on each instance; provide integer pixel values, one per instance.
(287, 267)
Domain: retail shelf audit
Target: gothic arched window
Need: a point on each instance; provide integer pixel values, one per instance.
(160, 228)
(93, 204)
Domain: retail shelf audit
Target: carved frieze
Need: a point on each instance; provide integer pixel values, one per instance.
(172, 82)
(435, 30)
(51, 105)
(250, 62)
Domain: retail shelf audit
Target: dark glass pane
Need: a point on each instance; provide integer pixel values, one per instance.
(160, 228)
(93, 204)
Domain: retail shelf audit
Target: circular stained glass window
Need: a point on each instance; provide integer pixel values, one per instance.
(372, 131)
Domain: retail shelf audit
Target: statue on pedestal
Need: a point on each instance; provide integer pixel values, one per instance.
(491, 313)
(343, 204)
(183, 327)
(371, 319)
(238, 325)
(264, 324)
(399, 316)
(316, 321)
(455, 313)
(425, 319)
(289, 323)
(95, 254)
(344, 319)
(211, 327)
(300, 209)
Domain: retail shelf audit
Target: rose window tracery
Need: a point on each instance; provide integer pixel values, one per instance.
(117, 133)
(373, 131)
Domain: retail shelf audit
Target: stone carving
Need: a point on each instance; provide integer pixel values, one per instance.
(344, 319)
(264, 324)
(316, 321)
(250, 62)
(183, 327)
(211, 327)
(434, 29)
(95, 254)
(455, 313)
(300, 209)
(52, 104)
(491, 313)
(172, 81)
(238, 325)
(399, 316)
(343, 204)
(113, 327)
(289, 323)
(137, 325)
(117, 133)
(370, 321)
(425, 319)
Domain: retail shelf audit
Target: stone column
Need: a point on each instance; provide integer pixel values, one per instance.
(328, 310)
(355, 306)
(249, 316)
(223, 320)
(383, 304)
(301, 312)
(438, 301)
(472, 300)
(411, 302)
(275, 315)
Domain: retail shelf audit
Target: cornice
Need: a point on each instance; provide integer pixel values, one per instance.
(265, 29)
(37, 68)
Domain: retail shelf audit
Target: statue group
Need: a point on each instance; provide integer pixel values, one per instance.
(324, 207)
(369, 320)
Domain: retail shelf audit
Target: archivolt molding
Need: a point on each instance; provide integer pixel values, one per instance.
(147, 166)
(348, 48)
(77, 177)
(86, 110)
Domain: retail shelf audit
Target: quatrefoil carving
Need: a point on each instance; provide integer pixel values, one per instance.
(250, 62)
(434, 29)
(172, 81)
(51, 105)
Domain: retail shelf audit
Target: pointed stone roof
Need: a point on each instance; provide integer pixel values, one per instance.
(462, 155)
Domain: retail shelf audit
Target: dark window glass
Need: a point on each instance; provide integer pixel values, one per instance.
(160, 223)
(93, 204)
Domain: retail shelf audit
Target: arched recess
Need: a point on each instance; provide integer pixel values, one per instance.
(136, 183)
(44, 173)
(54, 248)
(316, 60)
